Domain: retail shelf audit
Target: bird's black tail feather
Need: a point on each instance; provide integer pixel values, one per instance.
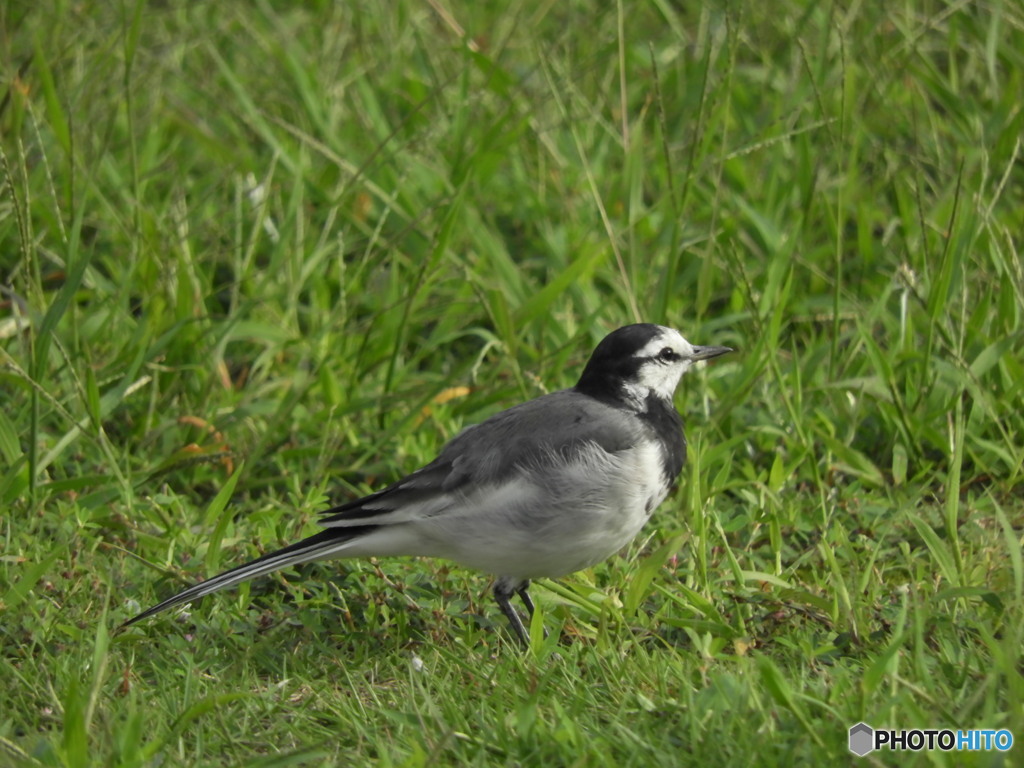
(319, 545)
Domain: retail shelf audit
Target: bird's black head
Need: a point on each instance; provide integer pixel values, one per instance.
(639, 361)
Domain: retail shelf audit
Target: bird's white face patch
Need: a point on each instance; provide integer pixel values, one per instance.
(663, 361)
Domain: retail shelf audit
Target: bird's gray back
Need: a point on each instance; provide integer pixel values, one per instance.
(490, 453)
(560, 423)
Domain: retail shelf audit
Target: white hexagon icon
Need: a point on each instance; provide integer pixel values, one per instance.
(861, 739)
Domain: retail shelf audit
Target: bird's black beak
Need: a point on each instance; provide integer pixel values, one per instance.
(706, 353)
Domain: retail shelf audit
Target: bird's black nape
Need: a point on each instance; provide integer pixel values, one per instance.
(614, 361)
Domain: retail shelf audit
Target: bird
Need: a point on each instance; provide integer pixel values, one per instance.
(545, 488)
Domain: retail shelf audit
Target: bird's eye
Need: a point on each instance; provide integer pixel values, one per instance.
(667, 355)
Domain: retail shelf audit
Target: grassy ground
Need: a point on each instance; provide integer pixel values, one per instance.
(256, 256)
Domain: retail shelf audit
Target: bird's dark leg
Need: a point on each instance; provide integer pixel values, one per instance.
(524, 595)
(503, 591)
(528, 602)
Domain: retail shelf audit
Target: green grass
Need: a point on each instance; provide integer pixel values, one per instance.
(256, 257)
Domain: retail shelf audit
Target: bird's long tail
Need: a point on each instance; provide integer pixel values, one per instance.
(318, 546)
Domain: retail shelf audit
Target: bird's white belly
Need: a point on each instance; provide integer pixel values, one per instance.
(555, 517)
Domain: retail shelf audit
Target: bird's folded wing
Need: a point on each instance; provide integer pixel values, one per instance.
(552, 428)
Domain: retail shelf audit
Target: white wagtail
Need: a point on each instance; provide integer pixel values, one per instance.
(543, 489)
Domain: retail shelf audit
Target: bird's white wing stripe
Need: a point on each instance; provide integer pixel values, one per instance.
(517, 490)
